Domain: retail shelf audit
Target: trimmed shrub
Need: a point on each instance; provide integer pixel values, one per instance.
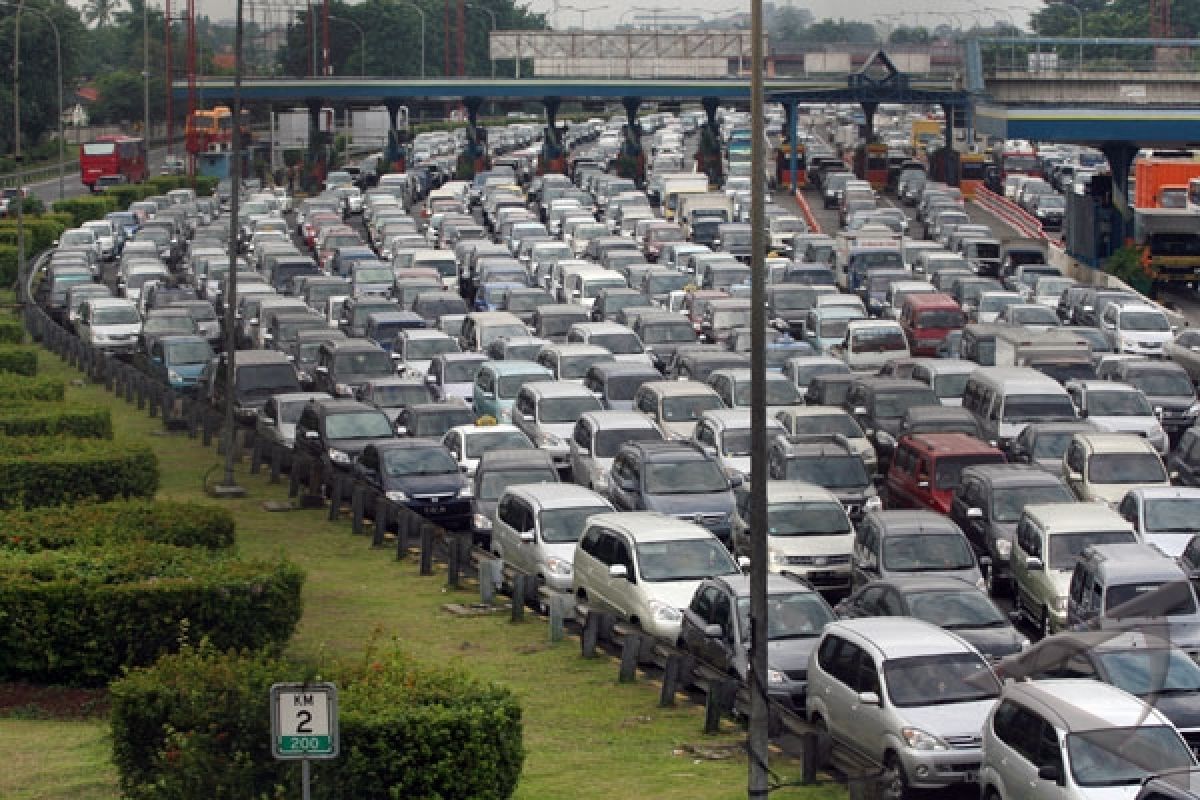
(126, 194)
(8, 265)
(197, 724)
(11, 331)
(18, 359)
(59, 470)
(17, 389)
(37, 420)
(84, 208)
(81, 615)
(205, 185)
(178, 524)
(40, 232)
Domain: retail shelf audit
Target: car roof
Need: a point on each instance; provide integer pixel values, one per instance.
(1014, 475)
(557, 495)
(1082, 704)
(1163, 492)
(650, 526)
(512, 459)
(926, 583)
(1114, 442)
(1077, 516)
(950, 443)
(783, 491)
(677, 388)
(556, 389)
(776, 584)
(516, 367)
(610, 420)
(901, 637)
(908, 521)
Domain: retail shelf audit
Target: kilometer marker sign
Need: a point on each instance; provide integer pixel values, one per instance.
(304, 720)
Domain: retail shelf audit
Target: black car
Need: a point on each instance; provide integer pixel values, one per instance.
(679, 479)
(987, 506)
(333, 432)
(879, 406)
(716, 630)
(432, 420)
(947, 602)
(1184, 459)
(420, 474)
(497, 470)
(344, 365)
(829, 461)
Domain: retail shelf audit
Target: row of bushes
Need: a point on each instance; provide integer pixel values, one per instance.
(15, 389)
(58, 470)
(162, 522)
(80, 615)
(197, 724)
(41, 420)
(18, 360)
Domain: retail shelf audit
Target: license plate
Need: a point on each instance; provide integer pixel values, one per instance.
(971, 777)
(435, 509)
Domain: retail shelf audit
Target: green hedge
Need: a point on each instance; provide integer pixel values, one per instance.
(17, 389)
(126, 194)
(59, 470)
(81, 615)
(40, 232)
(179, 524)
(18, 359)
(197, 724)
(47, 420)
(87, 207)
(8, 266)
(11, 331)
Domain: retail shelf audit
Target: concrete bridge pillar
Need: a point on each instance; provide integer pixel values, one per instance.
(317, 165)
(708, 150)
(631, 161)
(553, 158)
(869, 109)
(1120, 157)
(474, 157)
(396, 154)
(951, 176)
(793, 159)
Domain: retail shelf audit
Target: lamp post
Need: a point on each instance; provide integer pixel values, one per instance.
(362, 63)
(491, 14)
(583, 11)
(420, 11)
(17, 141)
(145, 71)
(58, 58)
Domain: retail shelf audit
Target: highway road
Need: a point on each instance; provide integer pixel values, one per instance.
(47, 190)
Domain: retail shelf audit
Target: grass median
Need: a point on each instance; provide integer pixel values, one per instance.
(586, 735)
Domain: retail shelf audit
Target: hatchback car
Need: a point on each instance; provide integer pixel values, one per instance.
(890, 544)
(497, 470)
(597, 437)
(418, 474)
(468, 443)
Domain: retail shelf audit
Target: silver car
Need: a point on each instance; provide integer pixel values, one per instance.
(905, 694)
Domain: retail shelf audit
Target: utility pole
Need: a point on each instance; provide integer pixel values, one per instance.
(17, 140)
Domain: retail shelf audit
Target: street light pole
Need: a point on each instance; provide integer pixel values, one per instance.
(17, 141)
(146, 70)
(420, 11)
(362, 64)
(491, 14)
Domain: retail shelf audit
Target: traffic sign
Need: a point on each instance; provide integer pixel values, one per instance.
(304, 721)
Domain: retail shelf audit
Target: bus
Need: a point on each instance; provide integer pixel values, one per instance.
(972, 172)
(211, 130)
(1017, 157)
(871, 164)
(115, 157)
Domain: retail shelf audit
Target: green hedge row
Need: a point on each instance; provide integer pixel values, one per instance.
(93, 422)
(81, 615)
(87, 207)
(178, 524)
(16, 389)
(40, 231)
(58, 470)
(18, 359)
(11, 331)
(197, 724)
(8, 266)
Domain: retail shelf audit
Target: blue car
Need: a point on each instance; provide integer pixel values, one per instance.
(179, 360)
(497, 383)
(491, 295)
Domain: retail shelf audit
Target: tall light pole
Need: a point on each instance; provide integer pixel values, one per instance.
(420, 11)
(146, 70)
(491, 14)
(362, 40)
(58, 59)
(17, 140)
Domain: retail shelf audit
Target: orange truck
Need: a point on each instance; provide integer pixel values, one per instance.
(1163, 182)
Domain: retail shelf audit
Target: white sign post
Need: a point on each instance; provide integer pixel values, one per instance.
(304, 724)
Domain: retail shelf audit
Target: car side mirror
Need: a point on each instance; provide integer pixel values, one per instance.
(736, 481)
(744, 563)
(158, 360)
(860, 411)
(627, 485)
(618, 571)
(401, 430)
(714, 631)
(974, 513)
(487, 394)
(526, 537)
(868, 698)
(1034, 564)
(1073, 475)
(922, 484)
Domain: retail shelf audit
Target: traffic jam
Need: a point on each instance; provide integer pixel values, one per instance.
(981, 473)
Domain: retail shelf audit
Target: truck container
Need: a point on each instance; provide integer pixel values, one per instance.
(1154, 174)
(1169, 243)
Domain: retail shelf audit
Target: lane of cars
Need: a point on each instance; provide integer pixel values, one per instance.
(550, 362)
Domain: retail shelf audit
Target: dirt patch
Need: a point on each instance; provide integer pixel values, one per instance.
(32, 701)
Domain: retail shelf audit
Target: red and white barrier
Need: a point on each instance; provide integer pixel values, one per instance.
(806, 212)
(1011, 214)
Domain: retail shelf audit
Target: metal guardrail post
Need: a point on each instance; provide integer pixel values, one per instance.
(557, 607)
(356, 510)
(402, 538)
(426, 549)
(631, 652)
(384, 513)
(256, 456)
(594, 624)
(518, 597)
(718, 701)
(276, 461)
(676, 675)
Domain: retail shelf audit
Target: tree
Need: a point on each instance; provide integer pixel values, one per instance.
(101, 12)
(120, 98)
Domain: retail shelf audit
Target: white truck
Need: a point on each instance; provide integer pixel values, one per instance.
(701, 213)
(868, 236)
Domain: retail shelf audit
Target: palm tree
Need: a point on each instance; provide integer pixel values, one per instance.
(101, 12)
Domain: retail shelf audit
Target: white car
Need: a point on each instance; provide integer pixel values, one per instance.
(1140, 329)
(468, 443)
(110, 323)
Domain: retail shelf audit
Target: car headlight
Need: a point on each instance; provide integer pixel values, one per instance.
(339, 456)
(481, 522)
(1059, 604)
(1194, 410)
(547, 440)
(981, 584)
(776, 676)
(343, 389)
(918, 739)
(397, 496)
(885, 439)
(1003, 548)
(558, 566)
(873, 503)
(174, 376)
(664, 612)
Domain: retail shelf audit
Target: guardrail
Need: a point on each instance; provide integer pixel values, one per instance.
(313, 484)
(810, 219)
(39, 175)
(1012, 214)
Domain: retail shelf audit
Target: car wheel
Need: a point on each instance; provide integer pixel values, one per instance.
(893, 783)
(1044, 624)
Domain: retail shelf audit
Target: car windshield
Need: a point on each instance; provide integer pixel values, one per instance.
(948, 470)
(1007, 504)
(1172, 514)
(807, 519)
(618, 343)
(368, 362)
(878, 339)
(479, 442)
(661, 284)
(1051, 445)
(509, 385)
(202, 313)
(941, 319)
(1125, 756)
(1126, 468)
(434, 423)
(953, 384)
(608, 442)
(460, 371)
(426, 349)
(832, 472)
(1168, 383)
(374, 275)
(685, 477)
(562, 525)
(955, 608)
(491, 333)
(118, 316)
(399, 395)
(924, 552)
(939, 680)
(1038, 408)
(566, 409)
(780, 392)
(189, 353)
(526, 301)
(624, 387)
(167, 324)
(736, 441)
(1066, 547)
(1183, 603)
(791, 299)
(358, 425)
(575, 367)
(891, 405)
(796, 615)
(1150, 321)
(403, 461)
(492, 483)
(674, 332)
(266, 378)
(723, 320)
(684, 560)
(1034, 316)
(833, 328)
(1118, 404)
(688, 408)
(844, 424)
(1149, 671)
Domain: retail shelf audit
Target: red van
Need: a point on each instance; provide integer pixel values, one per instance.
(927, 319)
(927, 468)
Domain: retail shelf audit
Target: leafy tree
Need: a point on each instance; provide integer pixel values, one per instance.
(120, 98)
(101, 12)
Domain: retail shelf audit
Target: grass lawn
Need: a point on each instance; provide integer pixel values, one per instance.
(586, 735)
